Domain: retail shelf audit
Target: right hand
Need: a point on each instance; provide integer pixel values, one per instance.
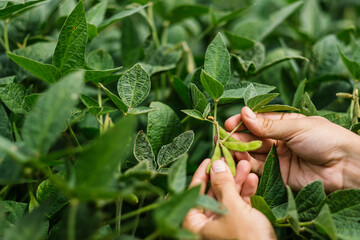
(309, 148)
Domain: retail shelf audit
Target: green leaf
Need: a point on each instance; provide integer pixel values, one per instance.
(238, 42)
(211, 204)
(96, 14)
(249, 93)
(70, 49)
(12, 150)
(259, 101)
(291, 212)
(97, 76)
(105, 148)
(217, 60)
(299, 93)
(278, 61)
(177, 176)
(245, 68)
(115, 99)
(259, 203)
(271, 186)
(352, 66)
(307, 107)
(211, 85)
(186, 11)
(140, 172)
(94, 107)
(5, 125)
(134, 86)
(7, 80)
(132, 49)
(277, 108)
(163, 126)
(169, 216)
(342, 119)
(143, 151)
(207, 110)
(198, 98)
(13, 96)
(14, 209)
(182, 90)
(100, 60)
(45, 72)
(141, 110)
(8, 11)
(309, 199)
(51, 113)
(324, 222)
(174, 150)
(193, 113)
(119, 16)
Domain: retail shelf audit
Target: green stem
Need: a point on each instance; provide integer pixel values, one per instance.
(215, 127)
(152, 24)
(142, 200)
(289, 225)
(119, 203)
(73, 135)
(4, 191)
(232, 132)
(6, 38)
(100, 105)
(72, 219)
(165, 32)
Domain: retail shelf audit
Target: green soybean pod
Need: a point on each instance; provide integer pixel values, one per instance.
(215, 156)
(223, 133)
(229, 159)
(243, 146)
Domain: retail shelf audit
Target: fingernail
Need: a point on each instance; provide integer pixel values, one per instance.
(250, 113)
(219, 166)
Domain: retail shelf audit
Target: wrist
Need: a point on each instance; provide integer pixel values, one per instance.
(351, 169)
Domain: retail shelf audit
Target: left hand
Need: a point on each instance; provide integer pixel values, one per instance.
(241, 221)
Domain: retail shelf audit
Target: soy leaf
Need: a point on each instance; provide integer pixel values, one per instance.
(12, 150)
(249, 93)
(352, 66)
(259, 203)
(96, 14)
(291, 212)
(278, 61)
(308, 200)
(170, 215)
(45, 72)
(276, 108)
(198, 98)
(238, 42)
(134, 86)
(182, 90)
(307, 107)
(141, 110)
(299, 93)
(13, 96)
(12, 9)
(70, 49)
(193, 113)
(106, 148)
(186, 11)
(324, 222)
(211, 204)
(174, 150)
(245, 68)
(177, 177)
(5, 126)
(100, 60)
(163, 126)
(259, 101)
(217, 60)
(211, 85)
(143, 151)
(51, 112)
(271, 186)
(115, 99)
(97, 76)
(119, 16)
(93, 106)
(207, 111)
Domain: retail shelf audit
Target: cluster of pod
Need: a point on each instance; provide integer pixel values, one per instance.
(222, 149)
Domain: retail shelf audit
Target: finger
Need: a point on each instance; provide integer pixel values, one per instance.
(223, 184)
(194, 220)
(283, 128)
(242, 171)
(248, 137)
(250, 187)
(200, 176)
(232, 122)
(256, 160)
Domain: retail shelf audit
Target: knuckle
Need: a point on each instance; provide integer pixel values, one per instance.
(267, 124)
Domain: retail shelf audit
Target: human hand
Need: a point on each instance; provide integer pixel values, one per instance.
(309, 148)
(241, 221)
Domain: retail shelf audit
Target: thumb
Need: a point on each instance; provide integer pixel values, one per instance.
(223, 183)
(279, 129)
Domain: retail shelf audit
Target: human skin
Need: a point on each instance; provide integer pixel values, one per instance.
(309, 148)
(241, 221)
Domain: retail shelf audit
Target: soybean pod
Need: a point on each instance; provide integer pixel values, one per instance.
(229, 159)
(223, 133)
(215, 156)
(243, 146)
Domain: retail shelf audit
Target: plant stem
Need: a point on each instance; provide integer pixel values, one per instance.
(100, 105)
(215, 127)
(6, 38)
(73, 135)
(119, 203)
(164, 35)
(142, 200)
(232, 132)
(152, 24)
(289, 225)
(72, 219)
